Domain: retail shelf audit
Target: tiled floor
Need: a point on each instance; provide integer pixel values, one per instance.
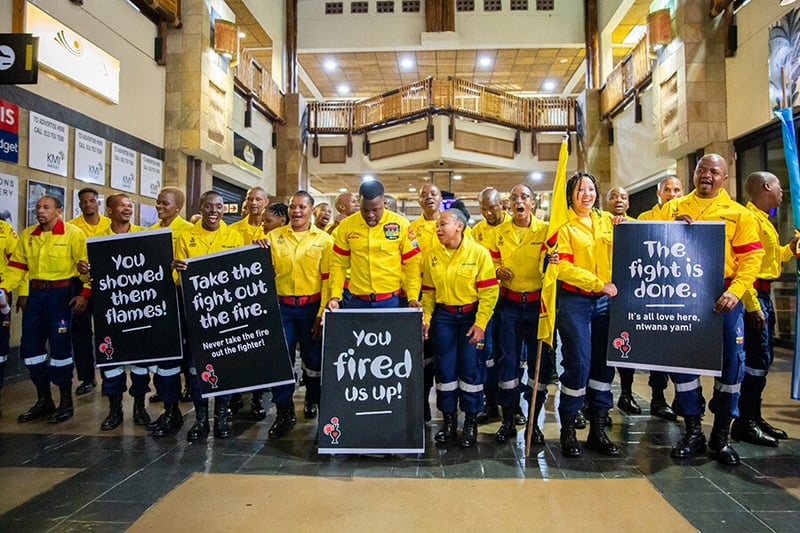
(124, 472)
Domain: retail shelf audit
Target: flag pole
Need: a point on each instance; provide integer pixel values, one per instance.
(532, 407)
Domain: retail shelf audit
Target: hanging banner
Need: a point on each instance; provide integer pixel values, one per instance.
(90, 157)
(233, 322)
(372, 386)
(48, 140)
(668, 276)
(123, 168)
(134, 303)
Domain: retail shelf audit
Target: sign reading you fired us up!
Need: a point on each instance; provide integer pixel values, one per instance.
(668, 276)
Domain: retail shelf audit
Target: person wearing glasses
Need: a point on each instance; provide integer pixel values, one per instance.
(516, 247)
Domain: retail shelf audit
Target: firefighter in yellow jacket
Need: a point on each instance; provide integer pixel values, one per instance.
(301, 257)
(208, 235)
(92, 222)
(48, 253)
(743, 256)
(459, 291)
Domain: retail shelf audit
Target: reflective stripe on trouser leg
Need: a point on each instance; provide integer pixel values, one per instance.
(114, 380)
(574, 322)
(140, 380)
(516, 333)
(758, 350)
(725, 400)
(688, 394)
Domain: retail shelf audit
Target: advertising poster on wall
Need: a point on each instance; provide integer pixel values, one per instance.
(149, 176)
(9, 132)
(9, 200)
(48, 143)
(90, 158)
(123, 168)
(668, 276)
(36, 190)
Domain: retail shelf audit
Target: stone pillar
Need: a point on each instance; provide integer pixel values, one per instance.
(291, 165)
(594, 155)
(199, 100)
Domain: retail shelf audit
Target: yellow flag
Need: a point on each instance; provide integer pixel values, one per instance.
(558, 218)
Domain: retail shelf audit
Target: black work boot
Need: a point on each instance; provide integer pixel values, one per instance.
(222, 426)
(43, 407)
(284, 422)
(537, 437)
(257, 405)
(449, 430)
(201, 426)
(140, 415)
(170, 421)
(692, 442)
(490, 413)
(115, 416)
(580, 418)
(569, 440)
(718, 441)
(508, 429)
(519, 417)
(597, 439)
(627, 404)
(765, 426)
(65, 407)
(745, 428)
(469, 435)
(235, 404)
(659, 406)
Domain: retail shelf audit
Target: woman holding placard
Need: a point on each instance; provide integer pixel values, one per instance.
(459, 291)
(585, 246)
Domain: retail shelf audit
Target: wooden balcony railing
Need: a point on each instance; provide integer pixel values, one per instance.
(256, 80)
(454, 96)
(631, 74)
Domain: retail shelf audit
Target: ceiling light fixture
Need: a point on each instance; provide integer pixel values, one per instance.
(485, 61)
(549, 85)
(343, 89)
(343, 189)
(329, 65)
(406, 63)
(368, 177)
(535, 176)
(786, 2)
(457, 177)
(242, 35)
(412, 189)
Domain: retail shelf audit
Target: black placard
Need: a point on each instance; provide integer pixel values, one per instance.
(233, 323)
(372, 382)
(134, 304)
(668, 276)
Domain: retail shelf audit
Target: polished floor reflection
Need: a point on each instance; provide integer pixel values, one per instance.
(73, 477)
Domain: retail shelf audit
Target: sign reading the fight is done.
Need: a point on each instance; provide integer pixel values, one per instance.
(668, 276)
(234, 326)
(372, 382)
(134, 303)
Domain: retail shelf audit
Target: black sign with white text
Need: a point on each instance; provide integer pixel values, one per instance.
(134, 304)
(233, 322)
(668, 276)
(372, 382)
